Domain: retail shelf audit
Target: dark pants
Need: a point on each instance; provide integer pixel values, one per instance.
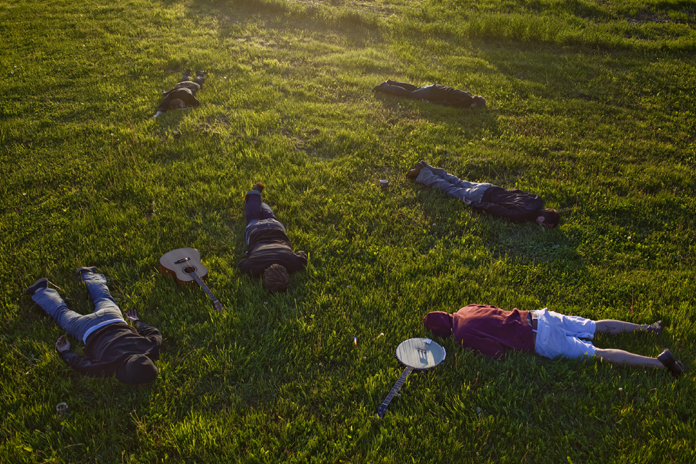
(259, 216)
(198, 79)
(256, 209)
(404, 89)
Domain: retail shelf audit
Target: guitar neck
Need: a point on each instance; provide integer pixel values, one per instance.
(395, 389)
(207, 291)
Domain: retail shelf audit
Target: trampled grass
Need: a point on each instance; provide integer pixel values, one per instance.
(591, 105)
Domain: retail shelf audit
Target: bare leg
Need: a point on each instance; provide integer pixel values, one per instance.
(616, 327)
(624, 358)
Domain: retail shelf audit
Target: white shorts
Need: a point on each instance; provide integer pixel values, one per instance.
(559, 335)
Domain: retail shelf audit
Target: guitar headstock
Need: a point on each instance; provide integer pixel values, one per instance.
(219, 306)
(381, 411)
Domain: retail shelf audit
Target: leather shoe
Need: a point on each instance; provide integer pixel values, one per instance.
(80, 270)
(413, 173)
(667, 358)
(40, 284)
(656, 327)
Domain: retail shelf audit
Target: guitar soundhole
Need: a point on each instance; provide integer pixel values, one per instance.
(189, 269)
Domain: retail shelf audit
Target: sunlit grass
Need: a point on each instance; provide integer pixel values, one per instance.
(590, 106)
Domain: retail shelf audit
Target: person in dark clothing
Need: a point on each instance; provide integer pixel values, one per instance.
(184, 93)
(435, 93)
(489, 331)
(111, 345)
(516, 205)
(269, 251)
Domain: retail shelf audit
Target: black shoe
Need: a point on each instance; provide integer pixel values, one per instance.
(413, 173)
(80, 270)
(258, 187)
(40, 284)
(380, 87)
(200, 78)
(667, 358)
(655, 327)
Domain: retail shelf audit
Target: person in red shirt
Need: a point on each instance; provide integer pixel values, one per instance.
(490, 331)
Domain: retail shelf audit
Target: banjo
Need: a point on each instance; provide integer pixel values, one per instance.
(415, 354)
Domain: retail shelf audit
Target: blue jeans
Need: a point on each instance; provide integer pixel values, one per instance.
(258, 215)
(452, 185)
(77, 325)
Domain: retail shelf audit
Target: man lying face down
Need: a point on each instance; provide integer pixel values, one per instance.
(269, 251)
(515, 205)
(435, 93)
(112, 347)
(184, 93)
(490, 331)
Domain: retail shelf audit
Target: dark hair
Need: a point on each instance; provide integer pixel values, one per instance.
(551, 217)
(276, 278)
(176, 104)
(478, 101)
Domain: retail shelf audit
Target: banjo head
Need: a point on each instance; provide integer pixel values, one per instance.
(420, 353)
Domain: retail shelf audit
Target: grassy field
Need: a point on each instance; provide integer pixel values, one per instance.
(591, 105)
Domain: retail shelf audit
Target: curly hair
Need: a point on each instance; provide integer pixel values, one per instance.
(276, 278)
(176, 104)
(551, 217)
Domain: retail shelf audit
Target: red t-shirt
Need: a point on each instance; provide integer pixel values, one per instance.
(489, 330)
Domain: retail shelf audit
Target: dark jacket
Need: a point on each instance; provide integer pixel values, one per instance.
(183, 93)
(435, 93)
(268, 246)
(110, 347)
(516, 205)
(448, 96)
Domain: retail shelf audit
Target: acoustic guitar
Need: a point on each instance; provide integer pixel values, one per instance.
(415, 354)
(184, 264)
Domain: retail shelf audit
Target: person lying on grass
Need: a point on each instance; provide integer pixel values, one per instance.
(269, 251)
(435, 93)
(516, 205)
(490, 331)
(111, 345)
(184, 93)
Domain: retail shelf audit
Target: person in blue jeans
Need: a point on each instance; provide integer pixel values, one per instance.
(112, 346)
(269, 251)
(515, 205)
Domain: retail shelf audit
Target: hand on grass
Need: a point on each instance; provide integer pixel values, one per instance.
(62, 344)
(132, 314)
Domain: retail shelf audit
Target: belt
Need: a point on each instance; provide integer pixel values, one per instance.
(532, 320)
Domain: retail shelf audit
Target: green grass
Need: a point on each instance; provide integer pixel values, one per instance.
(591, 105)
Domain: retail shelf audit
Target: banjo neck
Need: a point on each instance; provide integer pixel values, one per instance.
(395, 389)
(415, 354)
